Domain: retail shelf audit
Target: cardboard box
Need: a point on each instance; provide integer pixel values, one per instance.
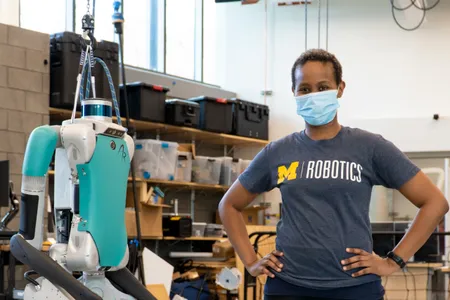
(223, 249)
(187, 148)
(158, 291)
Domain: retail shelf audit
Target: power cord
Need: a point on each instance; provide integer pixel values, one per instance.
(425, 8)
(414, 4)
(118, 21)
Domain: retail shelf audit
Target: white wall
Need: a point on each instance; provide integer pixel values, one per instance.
(390, 73)
(396, 80)
(9, 12)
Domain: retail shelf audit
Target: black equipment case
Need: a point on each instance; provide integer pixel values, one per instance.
(177, 226)
(250, 119)
(146, 101)
(216, 114)
(182, 113)
(65, 51)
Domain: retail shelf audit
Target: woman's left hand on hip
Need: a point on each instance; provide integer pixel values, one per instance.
(370, 262)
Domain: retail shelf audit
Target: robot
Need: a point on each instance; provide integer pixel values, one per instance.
(92, 162)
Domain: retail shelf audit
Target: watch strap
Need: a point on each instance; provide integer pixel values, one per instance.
(397, 259)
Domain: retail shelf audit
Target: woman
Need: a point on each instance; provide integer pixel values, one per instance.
(325, 174)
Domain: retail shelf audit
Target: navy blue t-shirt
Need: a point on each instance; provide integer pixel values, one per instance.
(326, 187)
(367, 291)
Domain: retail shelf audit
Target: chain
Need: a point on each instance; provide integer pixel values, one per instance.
(88, 6)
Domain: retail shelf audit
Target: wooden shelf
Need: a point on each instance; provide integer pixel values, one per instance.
(181, 184)
(424, 265)
(194, 238)
(230, 263)
(175, 132)
(173, 238)
(175, 184)
(7, 248)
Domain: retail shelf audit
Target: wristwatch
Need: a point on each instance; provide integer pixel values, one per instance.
(397, 259)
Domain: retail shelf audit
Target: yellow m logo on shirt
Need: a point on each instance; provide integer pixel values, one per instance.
(287, 173)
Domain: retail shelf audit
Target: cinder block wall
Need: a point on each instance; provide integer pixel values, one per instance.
(24, 93)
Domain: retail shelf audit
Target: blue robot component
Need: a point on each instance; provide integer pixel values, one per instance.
(109, 164)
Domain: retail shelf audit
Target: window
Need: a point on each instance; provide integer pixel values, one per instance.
(209, 41)
(144, 34)
(160, 35)
(184, 38)
(104, 29)
(47, 16)
(143, 29)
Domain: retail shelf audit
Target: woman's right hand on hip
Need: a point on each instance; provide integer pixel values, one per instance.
(266, 265)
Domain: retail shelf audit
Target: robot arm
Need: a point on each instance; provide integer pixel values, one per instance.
(38, 154)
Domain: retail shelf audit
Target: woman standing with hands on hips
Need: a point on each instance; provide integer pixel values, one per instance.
(325, 174)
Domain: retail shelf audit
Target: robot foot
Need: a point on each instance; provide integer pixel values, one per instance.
(45, 291)
(48, 268)
(100, 285)
(96, 283)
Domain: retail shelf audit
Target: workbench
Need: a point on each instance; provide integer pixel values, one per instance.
(418, 281)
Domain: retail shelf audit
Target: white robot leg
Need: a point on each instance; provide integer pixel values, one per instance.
(46, 290)
(100, 285)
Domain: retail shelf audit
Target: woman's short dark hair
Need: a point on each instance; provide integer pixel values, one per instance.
(321, 56)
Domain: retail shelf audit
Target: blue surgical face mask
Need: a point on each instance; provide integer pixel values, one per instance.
(318, 108)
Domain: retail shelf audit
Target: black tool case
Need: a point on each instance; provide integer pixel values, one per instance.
(250, 119)
(146, 101)
(182, 113)
(179, 226)
(216, 114)
(65, 52)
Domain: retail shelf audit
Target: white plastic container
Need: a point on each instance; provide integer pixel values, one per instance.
(244, 165)
(155, 159)
(206, 169)
(184, 166)
(214, 230)
(230, 170)
(235, 169)
(225, 171)
(198, 229)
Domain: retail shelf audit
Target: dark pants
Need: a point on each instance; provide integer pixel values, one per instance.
(268, 297)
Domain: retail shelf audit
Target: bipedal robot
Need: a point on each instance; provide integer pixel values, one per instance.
(92, 163)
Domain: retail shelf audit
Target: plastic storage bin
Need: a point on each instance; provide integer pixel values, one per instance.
(65, 51)
(250, 119)
(216, 114)
(244, 165)
(184, 166)
(235, 169)
(182, 113)
(214, 230)
(146, 101)
(230, 170)
(206, 169)
(155, 159)
(198, 229)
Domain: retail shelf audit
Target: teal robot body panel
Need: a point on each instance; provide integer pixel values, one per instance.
(39, 152)
(103, 187)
